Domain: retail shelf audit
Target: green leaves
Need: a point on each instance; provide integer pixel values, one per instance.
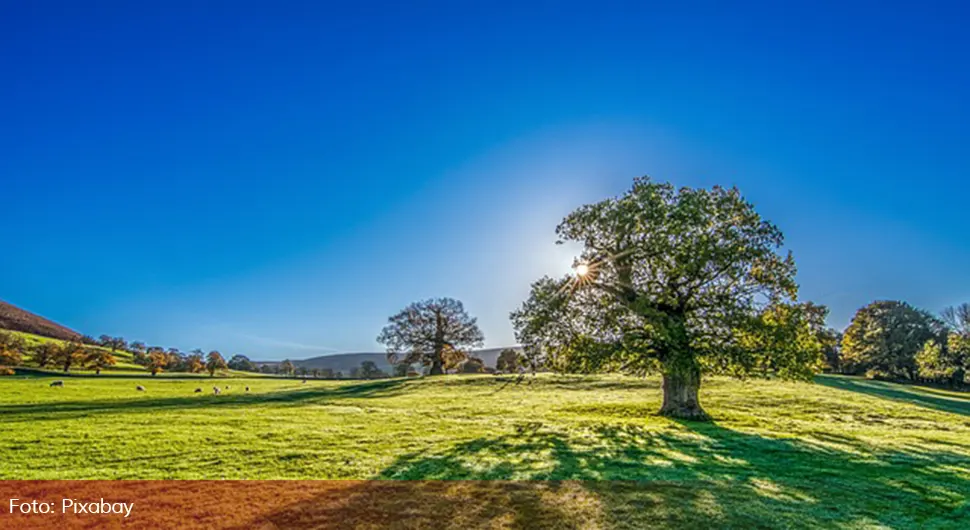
(884, 338)
(672, 273)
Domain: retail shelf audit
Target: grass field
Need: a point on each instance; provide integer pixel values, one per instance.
(841, 453)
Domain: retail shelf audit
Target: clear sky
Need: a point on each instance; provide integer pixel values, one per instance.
(277, 178)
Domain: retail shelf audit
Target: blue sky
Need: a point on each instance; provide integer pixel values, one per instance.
(277, 178)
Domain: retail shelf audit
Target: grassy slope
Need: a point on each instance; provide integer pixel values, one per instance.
(845, 453)
(125, 363)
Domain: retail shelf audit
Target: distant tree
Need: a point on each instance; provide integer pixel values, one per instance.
(473, 365)
(105, 340)
(327, 373)
(195, 362)
(98, 359)
(369, 370)
(316, 373)
(831, 341)
(177, 361)
(884, 338)
(957, 319)
(139, 352)
(355, 373)
(69, 353)
(425, 332)
(88, 340)
(401, 369)
(242, 363)
(11, 349)
(45, 353)
(948, 361)
(666, 279)
(338, 375)
(214, 362)
(303, 371)
(266, 368)
(158, 360)
(286, 367)
(508, 360)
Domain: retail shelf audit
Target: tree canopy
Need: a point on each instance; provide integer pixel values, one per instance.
(242, 363)
(214, 362)
(432, 332)
(682, 281)
(884, 338)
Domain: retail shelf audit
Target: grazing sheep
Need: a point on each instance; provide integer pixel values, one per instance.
(215, 390)
(140, 388)
(304, 381)
(57, 383)
(227, 387)
(198, 390)
(247, 389)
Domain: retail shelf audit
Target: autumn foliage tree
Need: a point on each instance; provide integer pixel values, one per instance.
(45, 354)
(667, 281)
(11, 349)
(157, 361)
(430, 333)
(214, 362)
(68, 354)
(98, 359)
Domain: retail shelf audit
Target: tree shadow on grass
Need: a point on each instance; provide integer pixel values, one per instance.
(687, 475)
(78, 409)
(437, 504)
(897, 392)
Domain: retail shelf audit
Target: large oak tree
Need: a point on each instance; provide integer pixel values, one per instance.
(676, 281)
(431, 333)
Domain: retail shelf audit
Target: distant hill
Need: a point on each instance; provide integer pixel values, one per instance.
(16, 319)
(344, 362)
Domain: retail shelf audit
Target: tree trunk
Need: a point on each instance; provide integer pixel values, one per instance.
(436, 368)
(680, 395)
(681, 373)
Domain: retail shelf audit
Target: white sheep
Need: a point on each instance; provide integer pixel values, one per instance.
(140, 388)
(215, 390)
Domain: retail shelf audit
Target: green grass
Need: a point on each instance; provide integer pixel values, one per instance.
(843, 453)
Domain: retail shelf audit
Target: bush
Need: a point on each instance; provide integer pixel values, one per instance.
(4, 370)
(473, 365)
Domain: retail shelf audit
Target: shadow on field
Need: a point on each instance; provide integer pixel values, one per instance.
(76, 409)
(926, 397)
(438, 504)
(689, 475)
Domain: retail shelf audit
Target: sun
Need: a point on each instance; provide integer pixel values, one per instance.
(582, 269)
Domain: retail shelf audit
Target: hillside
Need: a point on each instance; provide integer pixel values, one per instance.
(344, 362)
(16, 319)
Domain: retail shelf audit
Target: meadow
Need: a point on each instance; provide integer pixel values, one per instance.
(842, 452)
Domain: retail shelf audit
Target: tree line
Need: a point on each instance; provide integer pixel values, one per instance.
(99, 354)
(891, 339)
